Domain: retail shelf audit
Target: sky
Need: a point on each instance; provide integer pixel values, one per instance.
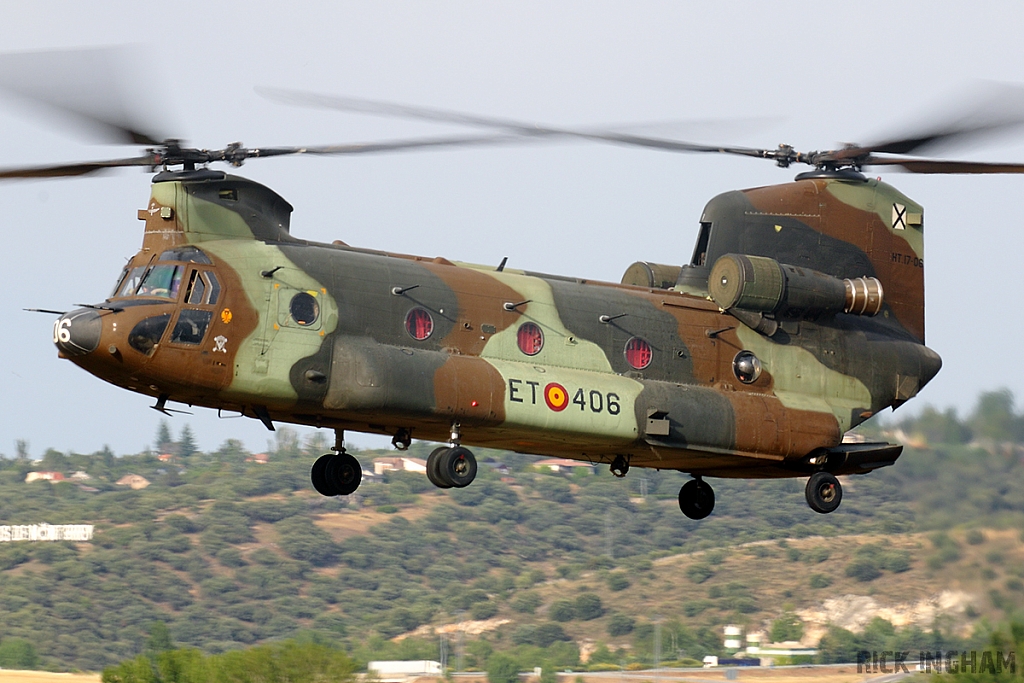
(810, 74)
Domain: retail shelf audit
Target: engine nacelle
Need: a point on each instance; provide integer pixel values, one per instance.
(763, 285)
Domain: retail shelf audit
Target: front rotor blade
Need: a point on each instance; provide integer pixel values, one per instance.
(83, 84)
(935, 166)
(77, 169)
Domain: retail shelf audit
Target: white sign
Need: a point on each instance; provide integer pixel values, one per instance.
(46, 532)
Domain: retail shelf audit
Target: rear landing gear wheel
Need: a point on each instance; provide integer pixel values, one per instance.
(824, 492)
(336, 474)
(433, 474)
(696, 499)
(318, 475)
(457, 466)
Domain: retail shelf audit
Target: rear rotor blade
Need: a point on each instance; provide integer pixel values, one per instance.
(76, 169)
(934, 166)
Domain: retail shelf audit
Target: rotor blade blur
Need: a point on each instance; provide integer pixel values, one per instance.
(935, 166)
(357, 105)
(990, 108)
(82, 85)
(390, 146)
(76, 169)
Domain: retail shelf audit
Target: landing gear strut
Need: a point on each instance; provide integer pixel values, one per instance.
(696, 499)
(451, 466)
(620, 466)
(337, 473)
(823, 492)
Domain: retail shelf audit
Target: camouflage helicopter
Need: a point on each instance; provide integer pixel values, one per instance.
(799, 316)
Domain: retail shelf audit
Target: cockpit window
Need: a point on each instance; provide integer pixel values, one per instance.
(130, 283)
(161, 281)
(188, 254)
(120, 279)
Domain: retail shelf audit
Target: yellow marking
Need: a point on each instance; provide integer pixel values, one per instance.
(778, 228)
(225, 316)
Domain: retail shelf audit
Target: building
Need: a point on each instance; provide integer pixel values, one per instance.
(134, 481)
(732, 635)
(401, 671)
(258, 458)
(564, 465)
(44, 476)
(399, 464)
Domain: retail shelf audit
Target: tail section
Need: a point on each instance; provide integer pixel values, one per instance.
(841, 224)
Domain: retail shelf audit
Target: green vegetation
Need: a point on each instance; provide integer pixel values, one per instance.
(226, 553)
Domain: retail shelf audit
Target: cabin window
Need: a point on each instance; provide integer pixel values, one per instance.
(747, 367)
(530, 339)
(700, 252)
(419, 324)
(304, 309)
(638, 353)
(161, 281)
(191, 326)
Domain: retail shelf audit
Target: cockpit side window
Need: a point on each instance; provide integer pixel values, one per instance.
(161, 281)
(214, 287)
(196, 289)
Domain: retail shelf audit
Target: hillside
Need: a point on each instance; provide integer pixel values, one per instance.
(229, 552)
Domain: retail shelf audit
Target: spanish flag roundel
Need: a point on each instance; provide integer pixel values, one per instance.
(556, 397)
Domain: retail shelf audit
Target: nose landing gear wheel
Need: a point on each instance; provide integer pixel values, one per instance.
(823, 492)
(620, 466)
(696, 499)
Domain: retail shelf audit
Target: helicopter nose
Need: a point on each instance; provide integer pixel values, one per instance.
(77, 333)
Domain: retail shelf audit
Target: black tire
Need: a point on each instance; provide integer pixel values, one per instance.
(344, 473)
(824, 492)
(433, 471)
(458, 466)
(696, 499)
(318, 476)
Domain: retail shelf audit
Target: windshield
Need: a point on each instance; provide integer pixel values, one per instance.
(161, 281)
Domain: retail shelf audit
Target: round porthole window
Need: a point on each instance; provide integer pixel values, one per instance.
(638, 353)
(530, 339)
(304, 309)
(747, 367)
(419, 324)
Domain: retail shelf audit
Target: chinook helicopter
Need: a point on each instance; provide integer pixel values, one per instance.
(799, 315)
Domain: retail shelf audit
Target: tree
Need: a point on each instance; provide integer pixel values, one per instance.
(18, 654)
(164, 440)
(786, 627)
(502, 668)
(588, 606)
(562, 610)
(187, 444)
(159, 639)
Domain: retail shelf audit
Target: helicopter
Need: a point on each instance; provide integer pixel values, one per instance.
(799, 315)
